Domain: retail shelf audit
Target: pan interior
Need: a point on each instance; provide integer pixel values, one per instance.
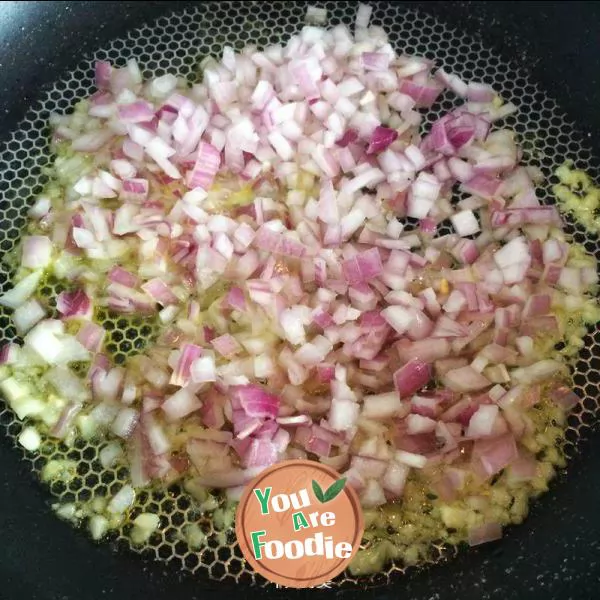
(176, 44)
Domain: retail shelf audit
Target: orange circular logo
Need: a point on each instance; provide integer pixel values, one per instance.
(299, 524)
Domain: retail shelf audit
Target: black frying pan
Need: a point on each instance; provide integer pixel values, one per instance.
(555, 554)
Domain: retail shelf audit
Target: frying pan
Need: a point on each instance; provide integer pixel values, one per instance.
(556, 552)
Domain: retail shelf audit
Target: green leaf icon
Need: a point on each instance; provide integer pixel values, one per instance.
(318, 491)
(331, 492)
(334, 489)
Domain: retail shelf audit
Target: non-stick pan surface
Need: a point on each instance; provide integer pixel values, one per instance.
(553, 555)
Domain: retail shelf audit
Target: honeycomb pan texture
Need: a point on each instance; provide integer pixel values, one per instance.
(176, 44)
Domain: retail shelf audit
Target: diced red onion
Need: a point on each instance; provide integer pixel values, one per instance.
(74, 304)
(412, 377)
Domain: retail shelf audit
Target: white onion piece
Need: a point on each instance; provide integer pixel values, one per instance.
(465, 223)
(110, 454)
(481, 423)
(373, 494)
(125, 422)
(17, 295)
(411, 459)
(122, 500)
(27, 315)
(30, 439)
(382, 406)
